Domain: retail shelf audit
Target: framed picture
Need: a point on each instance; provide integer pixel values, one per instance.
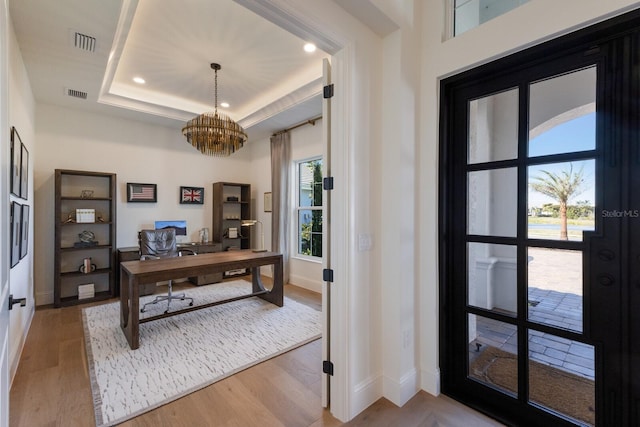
(191, 195)
(24, 231)
(147, 193)
(24, 172)
(16, 151)
(16, 222)
(267, 202)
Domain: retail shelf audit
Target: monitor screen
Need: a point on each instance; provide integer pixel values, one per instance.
(180, 226)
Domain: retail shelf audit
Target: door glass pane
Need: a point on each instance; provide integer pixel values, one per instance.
(562, 114)
(562, 376)
(492, 277)
(561, 200)
(493, 353)
(493, 202)
(555, 287)
(493, 127)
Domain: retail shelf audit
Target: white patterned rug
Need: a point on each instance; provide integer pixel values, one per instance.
(181, 354)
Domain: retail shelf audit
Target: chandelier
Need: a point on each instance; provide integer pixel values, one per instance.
(215, 134)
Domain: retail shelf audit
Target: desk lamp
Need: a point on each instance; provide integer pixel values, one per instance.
(252, 222)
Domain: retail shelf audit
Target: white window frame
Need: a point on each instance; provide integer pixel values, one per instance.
(297, 208)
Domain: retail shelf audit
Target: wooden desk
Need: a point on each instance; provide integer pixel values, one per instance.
(133, 274)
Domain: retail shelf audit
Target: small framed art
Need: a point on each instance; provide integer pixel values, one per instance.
(24, 172)
(191, 195)
(16, 151)
(24, 231)
(267, 202)
(16, 223)
(143, 193)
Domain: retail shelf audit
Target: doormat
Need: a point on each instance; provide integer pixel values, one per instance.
(551, 387)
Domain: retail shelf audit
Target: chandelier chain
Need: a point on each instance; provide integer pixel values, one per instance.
(216, 90)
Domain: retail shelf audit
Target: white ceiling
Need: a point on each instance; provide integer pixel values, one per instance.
(266, 77)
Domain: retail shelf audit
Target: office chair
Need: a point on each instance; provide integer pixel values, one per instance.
(158, 244)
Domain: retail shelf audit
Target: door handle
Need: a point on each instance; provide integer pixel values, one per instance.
(13, 301)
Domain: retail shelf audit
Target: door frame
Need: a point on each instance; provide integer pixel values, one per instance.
(452, 219)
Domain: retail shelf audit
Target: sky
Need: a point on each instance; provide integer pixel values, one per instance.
(578, 134)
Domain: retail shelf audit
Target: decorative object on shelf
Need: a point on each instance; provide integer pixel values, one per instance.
(87, 238)
(24, 172)
(252, 222)
(267, 202)
(144, 193)
(70, 219)
(16, 211)
(191, 195)
(86, 291)
(232, 199)
(204, 235)
(24, 231)
(86, 194)
(85, 215)
(87, 266)
(215, 134)
(16, 151)
(232, 233)
(99, 217)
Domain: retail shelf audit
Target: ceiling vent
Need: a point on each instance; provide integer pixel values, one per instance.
(76, 93)
(83, 41)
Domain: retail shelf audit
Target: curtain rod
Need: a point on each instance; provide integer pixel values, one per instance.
(306, 122)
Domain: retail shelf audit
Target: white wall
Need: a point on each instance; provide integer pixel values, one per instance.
(21, 115)
(136, 152)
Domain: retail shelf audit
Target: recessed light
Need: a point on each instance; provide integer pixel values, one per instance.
(224, 104)
(309, 47)
(139, 80)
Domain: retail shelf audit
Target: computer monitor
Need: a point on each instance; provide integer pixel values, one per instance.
(179, 225)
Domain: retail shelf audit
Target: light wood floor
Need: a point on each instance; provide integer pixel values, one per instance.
(51, 388)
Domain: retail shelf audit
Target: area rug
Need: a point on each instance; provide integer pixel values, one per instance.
(561, 391)
(184, 353)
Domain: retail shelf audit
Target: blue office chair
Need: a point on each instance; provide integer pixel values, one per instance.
(158, 244)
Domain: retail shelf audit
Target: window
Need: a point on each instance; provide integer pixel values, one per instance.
(469, 14)
(309, 207)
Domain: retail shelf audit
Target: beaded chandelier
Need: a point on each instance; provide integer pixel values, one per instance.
(215, 134)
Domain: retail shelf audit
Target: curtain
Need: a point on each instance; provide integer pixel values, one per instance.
(281, 197)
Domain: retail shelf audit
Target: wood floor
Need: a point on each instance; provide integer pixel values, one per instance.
(51, 388)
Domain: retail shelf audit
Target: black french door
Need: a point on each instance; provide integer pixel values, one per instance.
(540, 232)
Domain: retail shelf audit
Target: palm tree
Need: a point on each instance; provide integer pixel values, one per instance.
(560, 186)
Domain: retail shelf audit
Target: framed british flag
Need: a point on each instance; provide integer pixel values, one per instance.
(192, 195)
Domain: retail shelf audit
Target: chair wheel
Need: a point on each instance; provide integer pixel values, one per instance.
(166, 311)
(191, 303)
(142, 310)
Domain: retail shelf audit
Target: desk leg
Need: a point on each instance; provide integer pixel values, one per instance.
(276, 295)
(129, 309)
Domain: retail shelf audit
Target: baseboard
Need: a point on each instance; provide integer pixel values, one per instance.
(430, 381)
(305, 283)
(400, 391)
(44, 298)
(365, 394)
(14, 359)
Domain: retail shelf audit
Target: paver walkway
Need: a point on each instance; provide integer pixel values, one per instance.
(555, 299)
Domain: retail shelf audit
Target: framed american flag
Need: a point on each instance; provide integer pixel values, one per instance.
(192, 195)
(144, 193)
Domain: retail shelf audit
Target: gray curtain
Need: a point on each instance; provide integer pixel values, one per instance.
(281, 197)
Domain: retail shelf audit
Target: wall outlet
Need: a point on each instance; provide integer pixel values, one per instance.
(365, 242)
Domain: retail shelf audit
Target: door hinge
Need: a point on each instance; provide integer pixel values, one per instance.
(327, 367)
(327, 183)
(327, 275)
(327, 91)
